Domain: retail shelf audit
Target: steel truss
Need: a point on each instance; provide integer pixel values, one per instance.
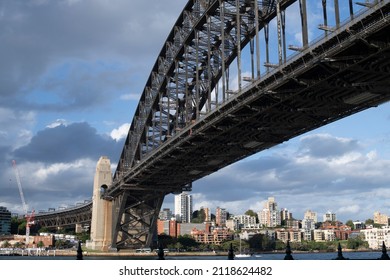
(65, 218)
(190, 122)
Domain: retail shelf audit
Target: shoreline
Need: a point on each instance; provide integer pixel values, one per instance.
(153, 254)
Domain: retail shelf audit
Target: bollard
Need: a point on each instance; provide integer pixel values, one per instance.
(79, 252)
(340, 253)
(288, 252)
(231, 252)
(384, 256)
(160, 252)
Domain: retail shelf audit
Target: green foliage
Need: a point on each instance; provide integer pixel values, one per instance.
(350, 224)
(250, 213)
(83, 237)
(198, 216)
(22, 227)
(261, 242)
(5, 244)
(236, 245)
(166, 240)
(187, 242)
(357, 243)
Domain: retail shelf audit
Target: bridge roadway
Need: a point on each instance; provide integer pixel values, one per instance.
(189, 122)
(80, 214)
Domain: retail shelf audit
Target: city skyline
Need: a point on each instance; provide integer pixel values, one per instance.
(308, 213)
(69, 92)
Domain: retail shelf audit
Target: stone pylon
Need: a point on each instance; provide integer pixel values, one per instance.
(101, 224)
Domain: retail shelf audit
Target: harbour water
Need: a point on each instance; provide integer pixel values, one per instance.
(259, 257)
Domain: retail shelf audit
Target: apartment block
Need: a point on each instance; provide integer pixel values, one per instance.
(269, 216)
(5, 221)
(165, 214)
(245, 221)
(183, 207)
(310, 215)
(289, 235)
(220, 216)
(376, 236)
(212, 235)
(381, 219)
(329, 217)
(171, 228)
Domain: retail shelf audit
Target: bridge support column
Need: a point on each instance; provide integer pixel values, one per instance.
(79, 228)
(101, 224)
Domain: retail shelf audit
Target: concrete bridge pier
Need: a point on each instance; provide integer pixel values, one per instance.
(101, 223)
(79, 228)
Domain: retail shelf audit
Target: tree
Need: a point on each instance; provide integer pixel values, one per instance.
(40, 244)
(256, 241)
(369, 222)
(198, 216)
(356, 243)
(350, 224)
(165, 240)
(187, 241)
(14, 225)
(6, 244)
(22, 227)
(250, 213)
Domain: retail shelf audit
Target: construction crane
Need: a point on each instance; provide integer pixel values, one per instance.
(29, 217)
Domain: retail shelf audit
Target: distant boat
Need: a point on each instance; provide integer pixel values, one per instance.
(241, 255)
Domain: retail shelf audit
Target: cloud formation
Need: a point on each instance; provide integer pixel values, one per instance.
(71, 74)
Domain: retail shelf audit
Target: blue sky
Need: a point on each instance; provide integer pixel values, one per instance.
(71, 76)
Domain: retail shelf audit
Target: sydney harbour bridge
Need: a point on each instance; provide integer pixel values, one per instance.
(227, 84)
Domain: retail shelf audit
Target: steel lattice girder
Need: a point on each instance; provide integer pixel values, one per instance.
(68, 217)
(135, 218)
(192, 60)
(170, 145)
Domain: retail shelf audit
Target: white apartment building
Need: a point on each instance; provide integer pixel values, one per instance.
(269, 216)
(329, 217)
(245, 221)
(308, 225)
(376, 236)
(310, 215)
(183, 207)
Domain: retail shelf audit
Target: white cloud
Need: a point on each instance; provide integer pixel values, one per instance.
(131, 96)
(120, 132)
(56, 123)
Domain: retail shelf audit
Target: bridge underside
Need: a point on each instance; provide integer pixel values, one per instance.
(323, 85)
(346, 73)
(135, 214)
(66, 218)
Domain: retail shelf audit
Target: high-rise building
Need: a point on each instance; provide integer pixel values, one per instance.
(308, 226)
(329, 217)
(310, 215)
(285, 214)
(269, 216)
(220, 216)
(207, 214)
(183, 207)
(165, 214)
(381, 219)
(5, 221)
